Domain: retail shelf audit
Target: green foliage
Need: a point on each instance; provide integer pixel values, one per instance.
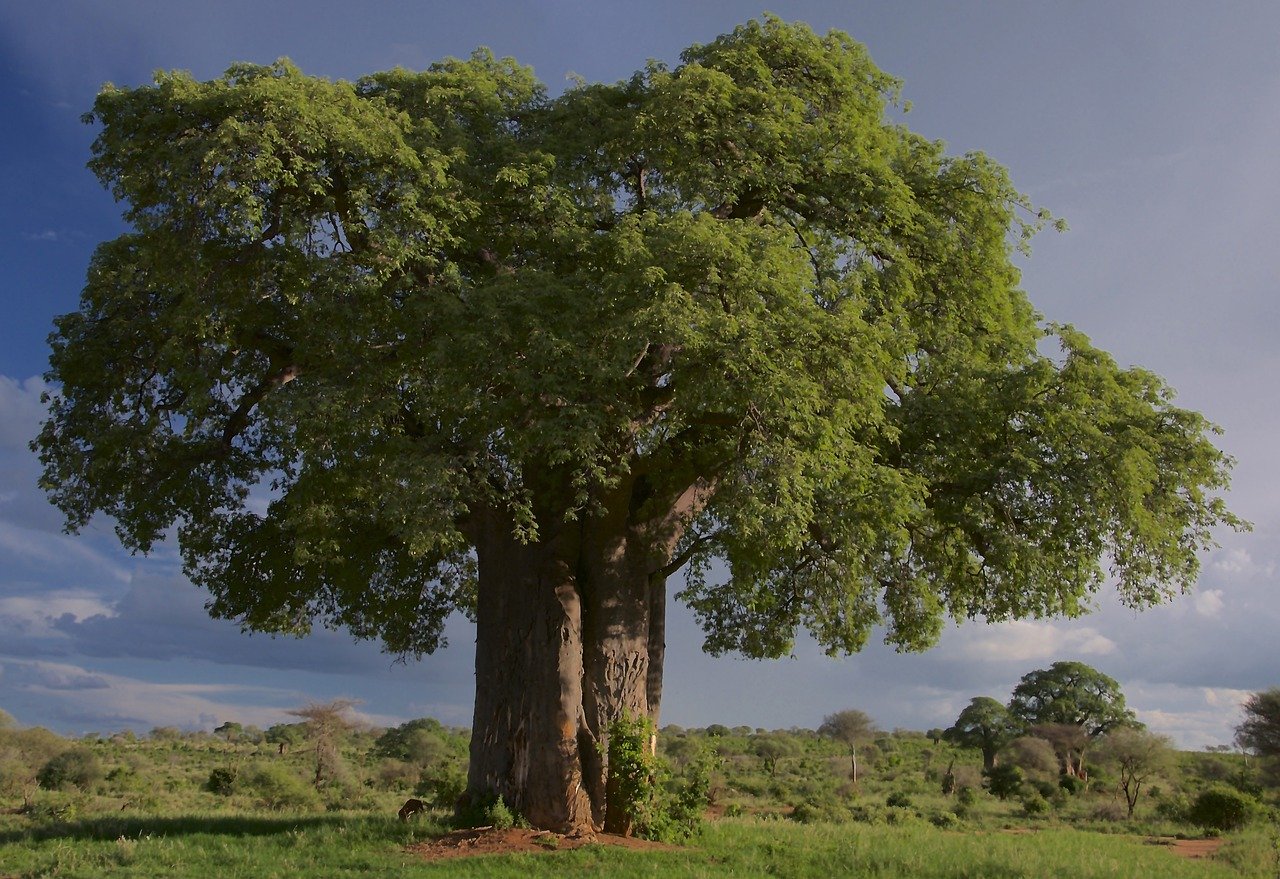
(709, 270)
(984, 724)
(1222, 808)
(76, 767)
(1004, 780)
(441, 786)
(276, 788)
(222, 780)
(651, 800)
(1259, 732)
(1070, 784)
(1034, 804)
(898, 800)
(1070, 694)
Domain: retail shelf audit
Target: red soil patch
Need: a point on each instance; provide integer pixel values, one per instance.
(1190, 848)
(490, 841)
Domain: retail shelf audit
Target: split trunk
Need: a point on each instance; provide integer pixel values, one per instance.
(570, 636)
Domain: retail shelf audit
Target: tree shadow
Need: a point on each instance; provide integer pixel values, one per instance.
(143, 826)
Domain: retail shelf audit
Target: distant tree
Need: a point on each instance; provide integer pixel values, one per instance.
(1004, 781)
(286, 735)
(772, 747)
(1137, 756)
(1259, 732)
(1034, 756)
(853, 728)
(935, 735)
(231, 731)
(1070, 744)
(984, 724)
(1070, 694)
(326, 725)
(422, 742)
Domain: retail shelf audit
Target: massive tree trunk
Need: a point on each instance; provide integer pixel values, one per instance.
(570, 637)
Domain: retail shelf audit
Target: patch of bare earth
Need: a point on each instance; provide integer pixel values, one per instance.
(491, 841)
(1189, 848)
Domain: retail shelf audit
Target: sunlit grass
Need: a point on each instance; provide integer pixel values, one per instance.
(345, 845)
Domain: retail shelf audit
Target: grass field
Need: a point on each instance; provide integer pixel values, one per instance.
(341, 845)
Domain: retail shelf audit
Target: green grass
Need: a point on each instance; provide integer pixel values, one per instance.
(358, 845)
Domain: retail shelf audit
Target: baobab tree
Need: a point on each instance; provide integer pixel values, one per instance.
(384, 350)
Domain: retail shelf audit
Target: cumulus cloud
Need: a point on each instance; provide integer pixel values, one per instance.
(1192, 716)
(1030, 641)
(1208, 603)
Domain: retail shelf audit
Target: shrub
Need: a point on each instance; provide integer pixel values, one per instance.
(77, 767)
(966, 796)
(441, 786)
(1173, 808)
(1071, 784)
(1222, 808)
(1109, 811)
(1004, 780)
(898, 800)
(221, 781)
(945, 820)
(276, 787)
(1035, 804)
(658, 806)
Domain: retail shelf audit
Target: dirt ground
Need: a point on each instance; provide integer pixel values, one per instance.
(1191, 848)
(489, 841)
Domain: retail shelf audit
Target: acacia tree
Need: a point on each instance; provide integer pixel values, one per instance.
(1069, 705)
(852, 727)
(984, 724)
(437, 341)
(1137, 755)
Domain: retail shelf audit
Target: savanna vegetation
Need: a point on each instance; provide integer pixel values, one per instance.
(319, 797)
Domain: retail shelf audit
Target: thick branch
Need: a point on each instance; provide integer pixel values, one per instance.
(239, 419)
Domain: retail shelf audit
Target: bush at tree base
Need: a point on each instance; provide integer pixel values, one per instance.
(660, 805)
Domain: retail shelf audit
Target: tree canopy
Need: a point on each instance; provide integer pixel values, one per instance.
(351, 315)
(984, 724)
(1259, 732)
(438, 341)
(1071, 694)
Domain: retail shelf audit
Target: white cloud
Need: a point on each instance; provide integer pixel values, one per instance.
(20, 411)
(46, 235)
(92, 699)
(1238, 563)
(1209, 603)
(36, 615)
(1027, 640)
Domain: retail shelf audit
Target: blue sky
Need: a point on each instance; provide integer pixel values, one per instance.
(1150, 126)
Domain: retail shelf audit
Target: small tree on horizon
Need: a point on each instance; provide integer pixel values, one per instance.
(853, 728)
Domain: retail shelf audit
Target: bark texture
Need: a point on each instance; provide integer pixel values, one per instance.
(570, 636)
